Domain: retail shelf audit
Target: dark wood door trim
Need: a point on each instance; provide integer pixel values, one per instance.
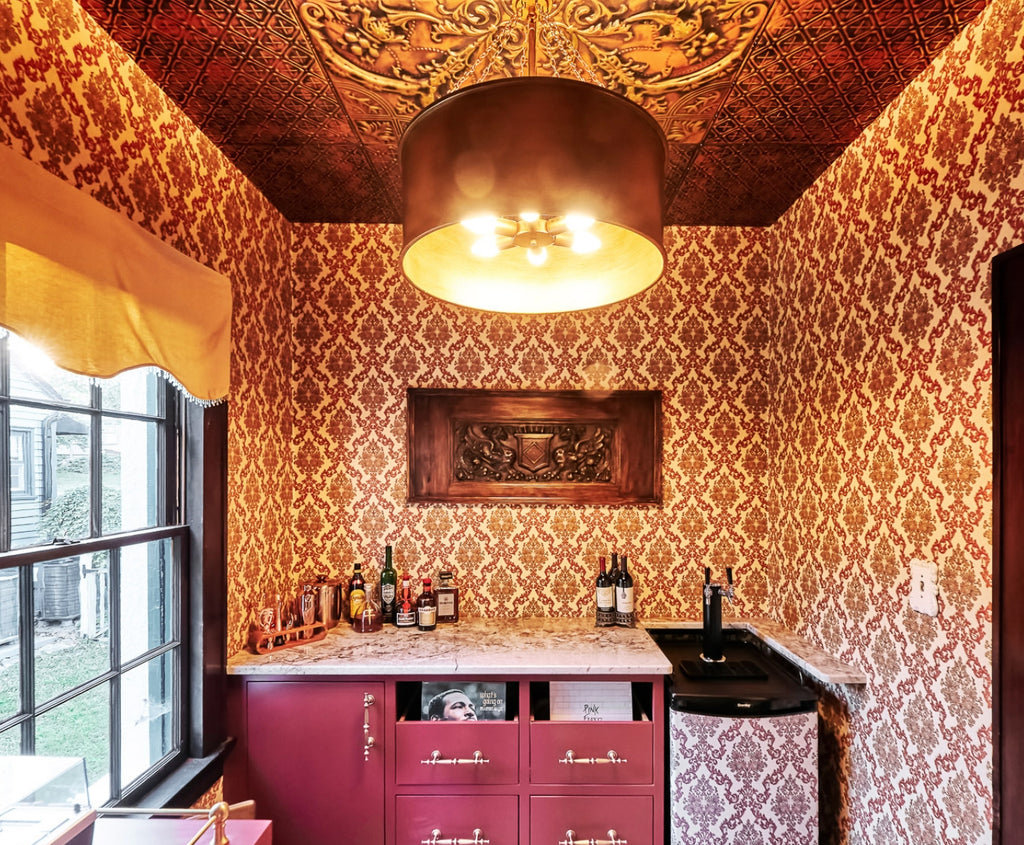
(1008, 543)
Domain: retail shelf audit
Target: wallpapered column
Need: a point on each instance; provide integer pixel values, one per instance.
(883, 360)
(363, 335)
(74, 102)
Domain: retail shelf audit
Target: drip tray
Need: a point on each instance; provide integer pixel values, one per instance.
(726, 670)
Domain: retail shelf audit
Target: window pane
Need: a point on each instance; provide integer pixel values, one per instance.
(58, 506)
(147, 715)
(130, 475)
(72, 640)
(35, 376)
(22, 462)
(81, 728)
(10, 742)
(148, 597)
(10, 661)
(135, 390)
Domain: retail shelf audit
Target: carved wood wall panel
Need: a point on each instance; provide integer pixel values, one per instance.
(568, 446)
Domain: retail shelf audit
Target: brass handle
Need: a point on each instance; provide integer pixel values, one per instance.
(571, 759)
(613, 839)
(369, 741)
(437, 759)
(435, 839)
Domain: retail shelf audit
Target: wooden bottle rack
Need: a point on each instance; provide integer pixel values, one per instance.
(262, 642)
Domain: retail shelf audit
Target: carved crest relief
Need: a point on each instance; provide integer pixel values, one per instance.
(575, 453)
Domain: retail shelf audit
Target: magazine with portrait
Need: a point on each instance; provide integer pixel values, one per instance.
(462, 701)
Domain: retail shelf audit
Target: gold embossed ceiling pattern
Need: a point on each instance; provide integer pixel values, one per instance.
(310, 99)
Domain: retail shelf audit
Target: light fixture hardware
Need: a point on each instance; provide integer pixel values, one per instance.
(561, 171)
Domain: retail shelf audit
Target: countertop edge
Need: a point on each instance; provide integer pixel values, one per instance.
(799, 651)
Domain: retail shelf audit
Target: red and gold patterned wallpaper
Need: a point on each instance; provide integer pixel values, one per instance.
(363, 335)
(73, 102)
(826, 383)
(881, 435)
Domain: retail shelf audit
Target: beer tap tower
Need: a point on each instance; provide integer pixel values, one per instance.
(713, 592)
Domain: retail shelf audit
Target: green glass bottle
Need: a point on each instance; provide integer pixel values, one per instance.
(388, 587)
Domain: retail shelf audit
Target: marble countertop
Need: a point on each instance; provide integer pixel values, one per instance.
(538, 646)
(802, 653)
(477, 647)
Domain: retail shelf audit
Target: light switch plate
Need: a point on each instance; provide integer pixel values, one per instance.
(924, 587)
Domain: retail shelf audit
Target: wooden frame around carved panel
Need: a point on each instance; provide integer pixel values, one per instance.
(534, 446)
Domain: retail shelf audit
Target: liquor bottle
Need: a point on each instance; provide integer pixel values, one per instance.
(388, 591)
(624, 615)
(426, 608)
(405, 606)
(605, 598)
(447, 599)
(356, 593)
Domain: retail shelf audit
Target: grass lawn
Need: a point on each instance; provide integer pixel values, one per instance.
(78, 728)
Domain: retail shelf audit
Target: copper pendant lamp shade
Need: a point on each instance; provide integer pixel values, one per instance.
(533, 195)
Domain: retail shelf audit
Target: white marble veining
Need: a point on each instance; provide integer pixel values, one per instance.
(800, 652)
(477, 647)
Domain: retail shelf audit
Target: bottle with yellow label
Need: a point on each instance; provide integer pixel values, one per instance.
(356, 593)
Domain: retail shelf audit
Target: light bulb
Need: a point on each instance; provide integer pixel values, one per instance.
(486, 246)
(578, 222)
(483, 225)
(529, 216)
(584, 242)
(536, 255)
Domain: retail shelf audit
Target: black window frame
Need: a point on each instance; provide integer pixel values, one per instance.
(192, 501)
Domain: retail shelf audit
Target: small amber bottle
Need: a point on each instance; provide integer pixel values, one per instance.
(447, 599)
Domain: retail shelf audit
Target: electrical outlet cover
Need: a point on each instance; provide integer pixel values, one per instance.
(924, 587)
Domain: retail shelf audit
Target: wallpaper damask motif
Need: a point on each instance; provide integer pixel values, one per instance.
(73, 102)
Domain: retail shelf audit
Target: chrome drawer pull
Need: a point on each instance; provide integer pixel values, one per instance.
(571, 759)
(570, 839)
(436, 759)
(478, 839)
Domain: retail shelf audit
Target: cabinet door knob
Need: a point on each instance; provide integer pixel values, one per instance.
(571, 759)
(613, 839)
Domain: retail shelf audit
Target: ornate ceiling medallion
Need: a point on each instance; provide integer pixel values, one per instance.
(415, 52)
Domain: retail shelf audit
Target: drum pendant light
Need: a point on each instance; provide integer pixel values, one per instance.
(533, 195)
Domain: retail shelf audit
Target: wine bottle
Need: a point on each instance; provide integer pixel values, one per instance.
(624, 615)
(356, 593)
(405, 606)
(426, 608)
(604, 597)
(613, 572)
(388, 591)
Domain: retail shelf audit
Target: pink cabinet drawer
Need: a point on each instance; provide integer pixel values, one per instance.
(457, 753)
(591, 818)
(457, 817)
(591, 746)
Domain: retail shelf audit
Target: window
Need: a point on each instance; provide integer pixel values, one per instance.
(21, 462)
(93, 661)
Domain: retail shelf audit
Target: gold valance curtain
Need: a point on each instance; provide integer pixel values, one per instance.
(98, 293)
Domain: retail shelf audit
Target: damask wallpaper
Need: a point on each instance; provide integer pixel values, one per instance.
(826, 392)
(882, 434)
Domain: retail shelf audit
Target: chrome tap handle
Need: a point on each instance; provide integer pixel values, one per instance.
(571, 759)
(570, 839)
(435, 839)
